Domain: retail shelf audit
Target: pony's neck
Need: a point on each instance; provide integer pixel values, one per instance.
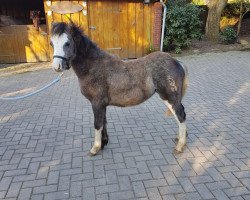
(87, 53)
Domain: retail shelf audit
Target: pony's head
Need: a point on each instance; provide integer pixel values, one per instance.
(63, 40)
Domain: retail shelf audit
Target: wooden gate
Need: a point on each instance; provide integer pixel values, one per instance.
(123, 28)
(23, 43)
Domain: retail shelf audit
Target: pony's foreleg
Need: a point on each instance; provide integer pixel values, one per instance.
(180, 116)
(99, 114)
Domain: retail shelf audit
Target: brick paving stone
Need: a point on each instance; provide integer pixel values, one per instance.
(122, 195)
(13, 190)
(188, 196)
(139, 189)
(219, 194)
(107, 188)
(2, 194)
(53, 177)
(155, 183)
(168, 197)
(246, 182)
(37, 197)
(44, 140)
(5, 183)
(237, 191)
(111, 177)
(232, 180)
(218, 185)
(44, 189)
(76, 189)
(204, 192)
(124, 183)
(173, 189)
(237, 198)
(56, 195)
(24, 194)
(153, 193)
(245, 197)
(186, 185)
(33, 183)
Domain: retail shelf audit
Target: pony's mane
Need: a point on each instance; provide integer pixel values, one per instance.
(84, 44)
(59, 28)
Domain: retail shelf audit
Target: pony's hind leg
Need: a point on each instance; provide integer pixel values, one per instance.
(105, 138)
(180, 116)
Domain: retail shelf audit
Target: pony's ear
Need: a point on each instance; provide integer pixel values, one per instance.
(54, 23)
(79, 38)
(75, 32)
(58, 27)
(53, 27)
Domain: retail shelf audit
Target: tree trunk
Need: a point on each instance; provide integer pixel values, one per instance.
(240, 19)
(215, 8)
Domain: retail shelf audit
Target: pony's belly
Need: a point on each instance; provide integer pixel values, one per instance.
(130, 98)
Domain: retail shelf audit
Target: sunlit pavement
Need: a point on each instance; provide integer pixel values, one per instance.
(45, 139)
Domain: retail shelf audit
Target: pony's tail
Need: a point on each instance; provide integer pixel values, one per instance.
(184, 85)
(185, 80)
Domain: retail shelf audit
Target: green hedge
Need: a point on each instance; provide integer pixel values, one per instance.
(183, 24)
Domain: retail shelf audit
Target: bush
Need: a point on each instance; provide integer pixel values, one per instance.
(182, 25)
(228, 35)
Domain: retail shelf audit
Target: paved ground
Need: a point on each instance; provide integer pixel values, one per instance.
(44, 140)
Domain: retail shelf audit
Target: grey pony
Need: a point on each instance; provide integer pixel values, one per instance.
(106, 80)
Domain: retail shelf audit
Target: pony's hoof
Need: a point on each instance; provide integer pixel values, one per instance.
(176, 152)
(104, 143)
(169, 113)
(91, 154)
(179, 148)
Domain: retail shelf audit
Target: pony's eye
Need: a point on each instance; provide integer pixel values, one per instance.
(51, 43)
(67, 44)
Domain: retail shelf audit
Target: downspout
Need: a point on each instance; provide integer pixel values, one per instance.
(163, 23)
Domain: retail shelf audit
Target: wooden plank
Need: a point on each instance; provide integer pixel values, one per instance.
(147, 29)
(7, 41)
(95, 12)
(45, 41)
(100, 25)
(23, 42)
(49, 19)
(32, 55)
(66, 18)
(84, 19)
(75, 17)
(31, 45)
(115, 25)
(39, 44)
(124, 42)
(91, 20)
(55, 16)
(18, 57)
(109, 26)
(107, 20)
(139, 30)
(131, 30)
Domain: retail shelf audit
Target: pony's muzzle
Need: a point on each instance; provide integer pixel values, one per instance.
(59, 65)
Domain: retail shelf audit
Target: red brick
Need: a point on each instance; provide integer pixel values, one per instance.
(157, 25)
